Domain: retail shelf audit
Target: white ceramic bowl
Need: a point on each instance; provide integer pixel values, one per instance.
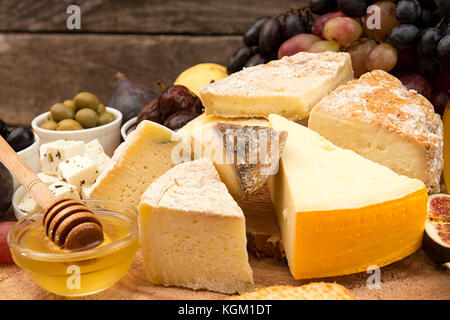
(30, 156)
(19, 194)
(108, 135)
(127, 127)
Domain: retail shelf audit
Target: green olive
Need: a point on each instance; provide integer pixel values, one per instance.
(68, 125)
(49, 125)
(60, 111)
(86, 100)
(70, 104)
(101, 108)
(49, 116)
(88, 118)
(105, 117)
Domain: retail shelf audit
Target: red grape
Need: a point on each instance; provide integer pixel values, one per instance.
(343, 30)
(359, 52)
(383, 56)
(317, 27)
(439, 99)
(324, 45)
(418, 83)
(298, 43)
(5, 252)
(380, 20)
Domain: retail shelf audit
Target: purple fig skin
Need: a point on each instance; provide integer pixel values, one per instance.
(6, 189)
(130, 97)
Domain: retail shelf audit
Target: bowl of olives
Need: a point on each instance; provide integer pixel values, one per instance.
(83, 118)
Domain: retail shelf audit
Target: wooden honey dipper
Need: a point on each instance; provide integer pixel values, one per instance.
(67, 223)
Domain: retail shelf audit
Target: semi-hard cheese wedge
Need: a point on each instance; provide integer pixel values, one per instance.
(245, 151)
(338, 212)
(377, 117)
(144, 156)
(192, 232)
(289, 87)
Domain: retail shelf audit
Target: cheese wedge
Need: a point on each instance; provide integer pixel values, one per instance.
(192, 232)
(378, 118)
(289, 87)
(338, 212)
(142, 158)
(245, 152)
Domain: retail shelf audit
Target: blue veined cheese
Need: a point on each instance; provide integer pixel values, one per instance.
(53, 153)
(79, 171)
(94, 151)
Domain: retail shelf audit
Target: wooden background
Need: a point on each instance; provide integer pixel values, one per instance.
(42, 62)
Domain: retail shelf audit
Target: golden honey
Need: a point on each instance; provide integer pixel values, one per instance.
(78, 273)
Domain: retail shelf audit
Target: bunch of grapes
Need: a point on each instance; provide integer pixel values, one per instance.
(408, 38)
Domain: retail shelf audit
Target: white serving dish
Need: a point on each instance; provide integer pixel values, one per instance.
(18, 195)
(30, 156)
(127, 127)
(108, 135)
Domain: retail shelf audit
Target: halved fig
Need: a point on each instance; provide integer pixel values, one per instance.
(436, 240)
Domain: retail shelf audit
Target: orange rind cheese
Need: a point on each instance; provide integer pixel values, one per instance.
(338, 212)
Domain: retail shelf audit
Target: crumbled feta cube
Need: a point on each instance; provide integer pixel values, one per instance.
(28, 205)
(63, 190)
(48, 179)
(79, 171)
(86, 192)
(53, 153)
(94, 151)
(60, 189)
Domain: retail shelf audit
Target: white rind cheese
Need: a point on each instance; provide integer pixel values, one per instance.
(377, 117)
(289, 87)
(192, 232)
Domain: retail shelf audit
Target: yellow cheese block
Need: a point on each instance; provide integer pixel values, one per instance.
(338, 212)
(144, 156)
(192, 232)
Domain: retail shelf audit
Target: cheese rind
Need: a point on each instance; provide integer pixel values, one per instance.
(290, 86)
(192, 232)
(377, 117)
(142, 158)
(340, 213)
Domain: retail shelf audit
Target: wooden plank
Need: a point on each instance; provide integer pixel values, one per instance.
(140, 16)
(37, 70)
(414, 278)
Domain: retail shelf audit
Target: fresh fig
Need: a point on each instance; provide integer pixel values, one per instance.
(130, 97)
(6, 189)
(436, 240)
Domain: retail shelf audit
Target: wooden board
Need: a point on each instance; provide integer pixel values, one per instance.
(415, 277)
(38, 70)
(141, 16)
(412, 278)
